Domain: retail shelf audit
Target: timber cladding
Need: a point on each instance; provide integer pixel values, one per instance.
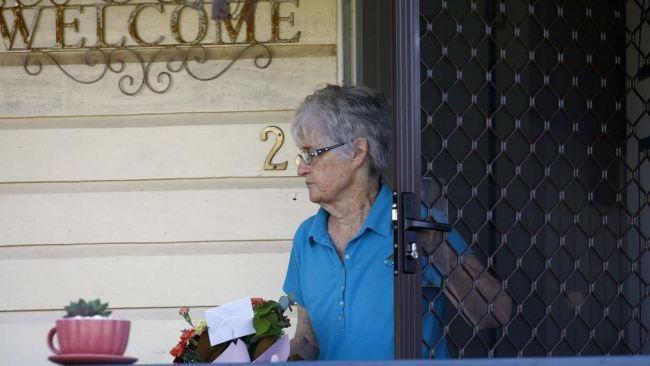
(155, 198)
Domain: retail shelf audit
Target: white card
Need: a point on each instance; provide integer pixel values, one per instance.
(230, 321)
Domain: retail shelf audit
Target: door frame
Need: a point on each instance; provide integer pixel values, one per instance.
(406, 168)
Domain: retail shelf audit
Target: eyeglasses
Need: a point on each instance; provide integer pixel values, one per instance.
(308, 157)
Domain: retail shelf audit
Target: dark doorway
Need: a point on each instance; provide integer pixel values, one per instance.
(531, 116)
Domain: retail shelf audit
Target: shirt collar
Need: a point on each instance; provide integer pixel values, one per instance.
(378, 219)
(318, 231)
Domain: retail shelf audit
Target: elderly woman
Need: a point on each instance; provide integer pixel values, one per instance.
(338, 271)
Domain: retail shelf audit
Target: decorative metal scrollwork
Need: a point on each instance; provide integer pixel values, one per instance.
(90, 60)
(115, 60)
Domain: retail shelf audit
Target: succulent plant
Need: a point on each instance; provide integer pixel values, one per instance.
(86, 308)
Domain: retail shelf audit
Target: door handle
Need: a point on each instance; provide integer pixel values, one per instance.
(409, 246)
(414, 225)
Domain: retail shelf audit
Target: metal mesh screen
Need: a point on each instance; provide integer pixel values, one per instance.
(532, 117)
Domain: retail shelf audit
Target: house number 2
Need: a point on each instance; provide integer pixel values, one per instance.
(279, 141)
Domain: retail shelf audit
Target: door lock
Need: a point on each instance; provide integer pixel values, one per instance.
(412, 250)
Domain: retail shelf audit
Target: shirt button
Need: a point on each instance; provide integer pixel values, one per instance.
(341, 302)
(342, 288)
(347, 256)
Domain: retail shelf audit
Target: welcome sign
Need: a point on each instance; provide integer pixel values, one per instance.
(32, 26)
(107, 35)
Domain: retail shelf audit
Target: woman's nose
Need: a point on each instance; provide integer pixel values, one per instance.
(303, 168)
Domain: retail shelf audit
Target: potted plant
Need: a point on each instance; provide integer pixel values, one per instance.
(87, 329)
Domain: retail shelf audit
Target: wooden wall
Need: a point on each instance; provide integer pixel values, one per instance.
(152, 201)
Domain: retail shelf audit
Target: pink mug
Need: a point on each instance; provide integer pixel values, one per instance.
(90, 336)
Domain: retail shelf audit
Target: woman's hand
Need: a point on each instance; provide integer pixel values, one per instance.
(468, 285)
(304, 344)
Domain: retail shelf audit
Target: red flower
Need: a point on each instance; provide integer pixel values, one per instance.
(257, 301)
(178, 350)
(187, 334)
(184, 310)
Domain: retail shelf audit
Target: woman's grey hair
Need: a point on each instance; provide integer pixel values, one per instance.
(337, 114)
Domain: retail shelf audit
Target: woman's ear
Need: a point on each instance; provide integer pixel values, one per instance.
(361, 151)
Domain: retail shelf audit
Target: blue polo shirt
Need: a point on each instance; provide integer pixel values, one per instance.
(350, 300)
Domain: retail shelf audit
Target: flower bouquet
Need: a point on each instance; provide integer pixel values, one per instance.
(250, 329)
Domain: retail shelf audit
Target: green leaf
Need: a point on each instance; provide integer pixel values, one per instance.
(274, 330)
(272, 317)
(264, 309)
(261, 325)
(87, 308)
